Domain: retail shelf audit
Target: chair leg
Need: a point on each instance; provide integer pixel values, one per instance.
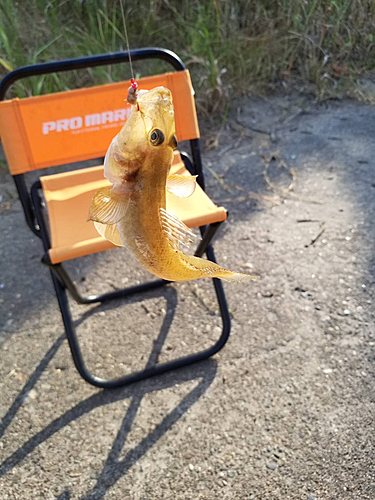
(61, 273)
(207, 235)
(62, 282)
(150, 371)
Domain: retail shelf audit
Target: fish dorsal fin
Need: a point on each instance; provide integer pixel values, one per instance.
(181, 185)
(109, 232)
(107, 207)
(176, 231)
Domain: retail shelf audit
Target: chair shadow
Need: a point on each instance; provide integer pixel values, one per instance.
(114, 468)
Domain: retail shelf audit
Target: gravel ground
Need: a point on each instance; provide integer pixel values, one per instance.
(286, 409)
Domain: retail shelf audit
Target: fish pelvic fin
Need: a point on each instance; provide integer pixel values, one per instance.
(108, 207)
(175, 230)
(109, 232)
(182, 186)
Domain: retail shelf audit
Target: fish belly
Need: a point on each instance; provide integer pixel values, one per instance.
(145, 238)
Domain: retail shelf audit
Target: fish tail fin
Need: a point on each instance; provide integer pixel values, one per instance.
(234, 277)
(206, 269)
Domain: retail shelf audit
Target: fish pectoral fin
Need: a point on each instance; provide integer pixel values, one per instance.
(176, 231)
(108, 208)
(181, 185)
(109, 232)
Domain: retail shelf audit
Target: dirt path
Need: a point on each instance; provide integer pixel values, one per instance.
(286, 410)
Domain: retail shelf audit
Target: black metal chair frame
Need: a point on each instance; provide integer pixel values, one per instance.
(33, 208)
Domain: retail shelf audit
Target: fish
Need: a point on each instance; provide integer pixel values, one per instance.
(132, 212)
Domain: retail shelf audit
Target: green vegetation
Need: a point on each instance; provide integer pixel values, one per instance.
(231, 47)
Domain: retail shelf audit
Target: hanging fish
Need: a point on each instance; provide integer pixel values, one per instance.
(132, 212)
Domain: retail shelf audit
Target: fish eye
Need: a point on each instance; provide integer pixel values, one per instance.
(156, 137)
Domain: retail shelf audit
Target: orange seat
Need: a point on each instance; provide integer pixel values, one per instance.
(68, 196)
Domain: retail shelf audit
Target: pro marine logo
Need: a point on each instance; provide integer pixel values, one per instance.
(87, 123)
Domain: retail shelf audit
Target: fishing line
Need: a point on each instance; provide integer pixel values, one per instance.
(127, 39)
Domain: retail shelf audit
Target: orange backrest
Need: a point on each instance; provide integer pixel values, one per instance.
(76, 125)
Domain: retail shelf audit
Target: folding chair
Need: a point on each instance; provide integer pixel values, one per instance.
(66, 127)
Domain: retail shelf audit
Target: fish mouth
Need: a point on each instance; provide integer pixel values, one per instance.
(173, 142)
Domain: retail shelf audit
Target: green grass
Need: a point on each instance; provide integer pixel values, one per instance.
(231, 47)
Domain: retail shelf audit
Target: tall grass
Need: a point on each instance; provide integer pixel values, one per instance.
(229, 46)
